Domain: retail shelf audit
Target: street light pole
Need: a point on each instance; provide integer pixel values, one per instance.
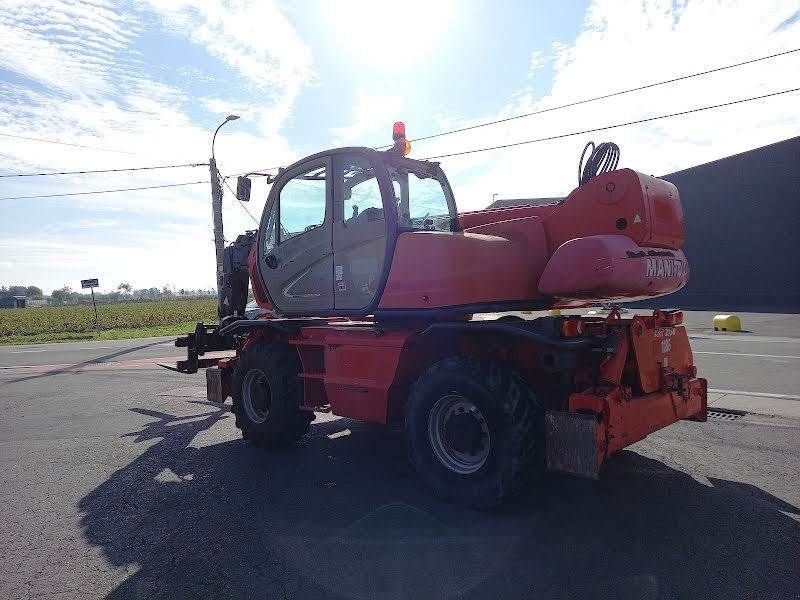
(216, 206)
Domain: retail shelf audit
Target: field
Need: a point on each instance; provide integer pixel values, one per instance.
(121, 320)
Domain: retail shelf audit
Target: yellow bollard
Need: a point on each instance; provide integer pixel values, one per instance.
(727, 323)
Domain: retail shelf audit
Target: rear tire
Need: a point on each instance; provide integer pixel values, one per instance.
(267, 395)
(474, 430)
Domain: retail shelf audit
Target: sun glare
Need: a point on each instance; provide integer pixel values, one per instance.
(392, 34)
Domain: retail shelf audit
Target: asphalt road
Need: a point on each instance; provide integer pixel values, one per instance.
(119, 480)
(74, 353)
(758, 365)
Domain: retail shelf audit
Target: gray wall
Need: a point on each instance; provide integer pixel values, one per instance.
(742, 231)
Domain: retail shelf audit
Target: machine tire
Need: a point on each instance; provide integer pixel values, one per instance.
(512, 418)
(278, 421)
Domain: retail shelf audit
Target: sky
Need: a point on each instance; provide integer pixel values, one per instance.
(145, 82)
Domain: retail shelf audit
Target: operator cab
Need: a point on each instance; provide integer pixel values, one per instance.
(331, 221)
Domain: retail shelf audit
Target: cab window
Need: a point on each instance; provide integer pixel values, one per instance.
(269, 230)
(361, 195)
(426, 200)
(422, 202)
(302, 203)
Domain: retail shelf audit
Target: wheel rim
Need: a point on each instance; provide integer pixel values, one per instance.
(459, 434)
(256, 396)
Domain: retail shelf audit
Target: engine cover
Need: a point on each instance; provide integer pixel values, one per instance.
(613, 268)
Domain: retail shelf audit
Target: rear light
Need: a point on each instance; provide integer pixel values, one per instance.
(398, 130)
(571, 327)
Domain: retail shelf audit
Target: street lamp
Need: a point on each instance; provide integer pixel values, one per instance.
(214, 138)
(216, 206)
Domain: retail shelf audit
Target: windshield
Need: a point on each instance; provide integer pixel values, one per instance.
(423, 199)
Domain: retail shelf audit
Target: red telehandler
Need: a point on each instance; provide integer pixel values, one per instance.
(372, 287)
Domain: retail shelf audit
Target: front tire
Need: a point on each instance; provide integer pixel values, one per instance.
(267, 395)
(473, 430)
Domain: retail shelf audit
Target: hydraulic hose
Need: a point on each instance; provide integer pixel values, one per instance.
(602, 159)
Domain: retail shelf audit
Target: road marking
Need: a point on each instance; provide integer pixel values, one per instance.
(94, 365)
(757, 338)
(68, 349)
(750, 355)
(755, 394)
(26, 351)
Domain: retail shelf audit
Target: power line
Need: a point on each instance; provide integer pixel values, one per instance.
(461, 153)
(236, 197)
(104, 170)
(257, 171)
(596, 98)
(34, 139)
(594, 129)
(133, 189)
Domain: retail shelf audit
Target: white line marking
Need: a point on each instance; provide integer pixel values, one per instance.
(761, 339)
(67, 349)
(755, 394)
(743, 354)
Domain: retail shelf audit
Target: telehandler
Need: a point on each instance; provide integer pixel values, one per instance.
(380, 303)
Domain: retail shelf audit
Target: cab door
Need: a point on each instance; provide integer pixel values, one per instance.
(296, 257)
(364, 211)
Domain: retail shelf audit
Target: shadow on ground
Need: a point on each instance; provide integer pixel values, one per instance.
(343, 517)
(92, 361)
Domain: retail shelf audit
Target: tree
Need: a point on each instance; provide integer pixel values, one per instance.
(125, 287)
(33, 292)
(62, 295)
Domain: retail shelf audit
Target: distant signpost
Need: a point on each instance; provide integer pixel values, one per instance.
(91, 284)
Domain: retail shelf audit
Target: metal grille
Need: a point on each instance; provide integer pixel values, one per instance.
(724, 415)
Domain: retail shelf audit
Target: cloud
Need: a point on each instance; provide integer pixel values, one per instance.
(624, 44)
(84, 81)
(81, 225)
(254, 38)
(538, 61)
(372, 115)
(69, 48)
(84, 73)
(55, 259)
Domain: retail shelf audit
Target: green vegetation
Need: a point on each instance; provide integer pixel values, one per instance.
(117, 321)
(125, 292)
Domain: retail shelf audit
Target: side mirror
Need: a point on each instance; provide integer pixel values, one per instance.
(243, 188)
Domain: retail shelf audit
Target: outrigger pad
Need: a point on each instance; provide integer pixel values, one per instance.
(571, 441)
